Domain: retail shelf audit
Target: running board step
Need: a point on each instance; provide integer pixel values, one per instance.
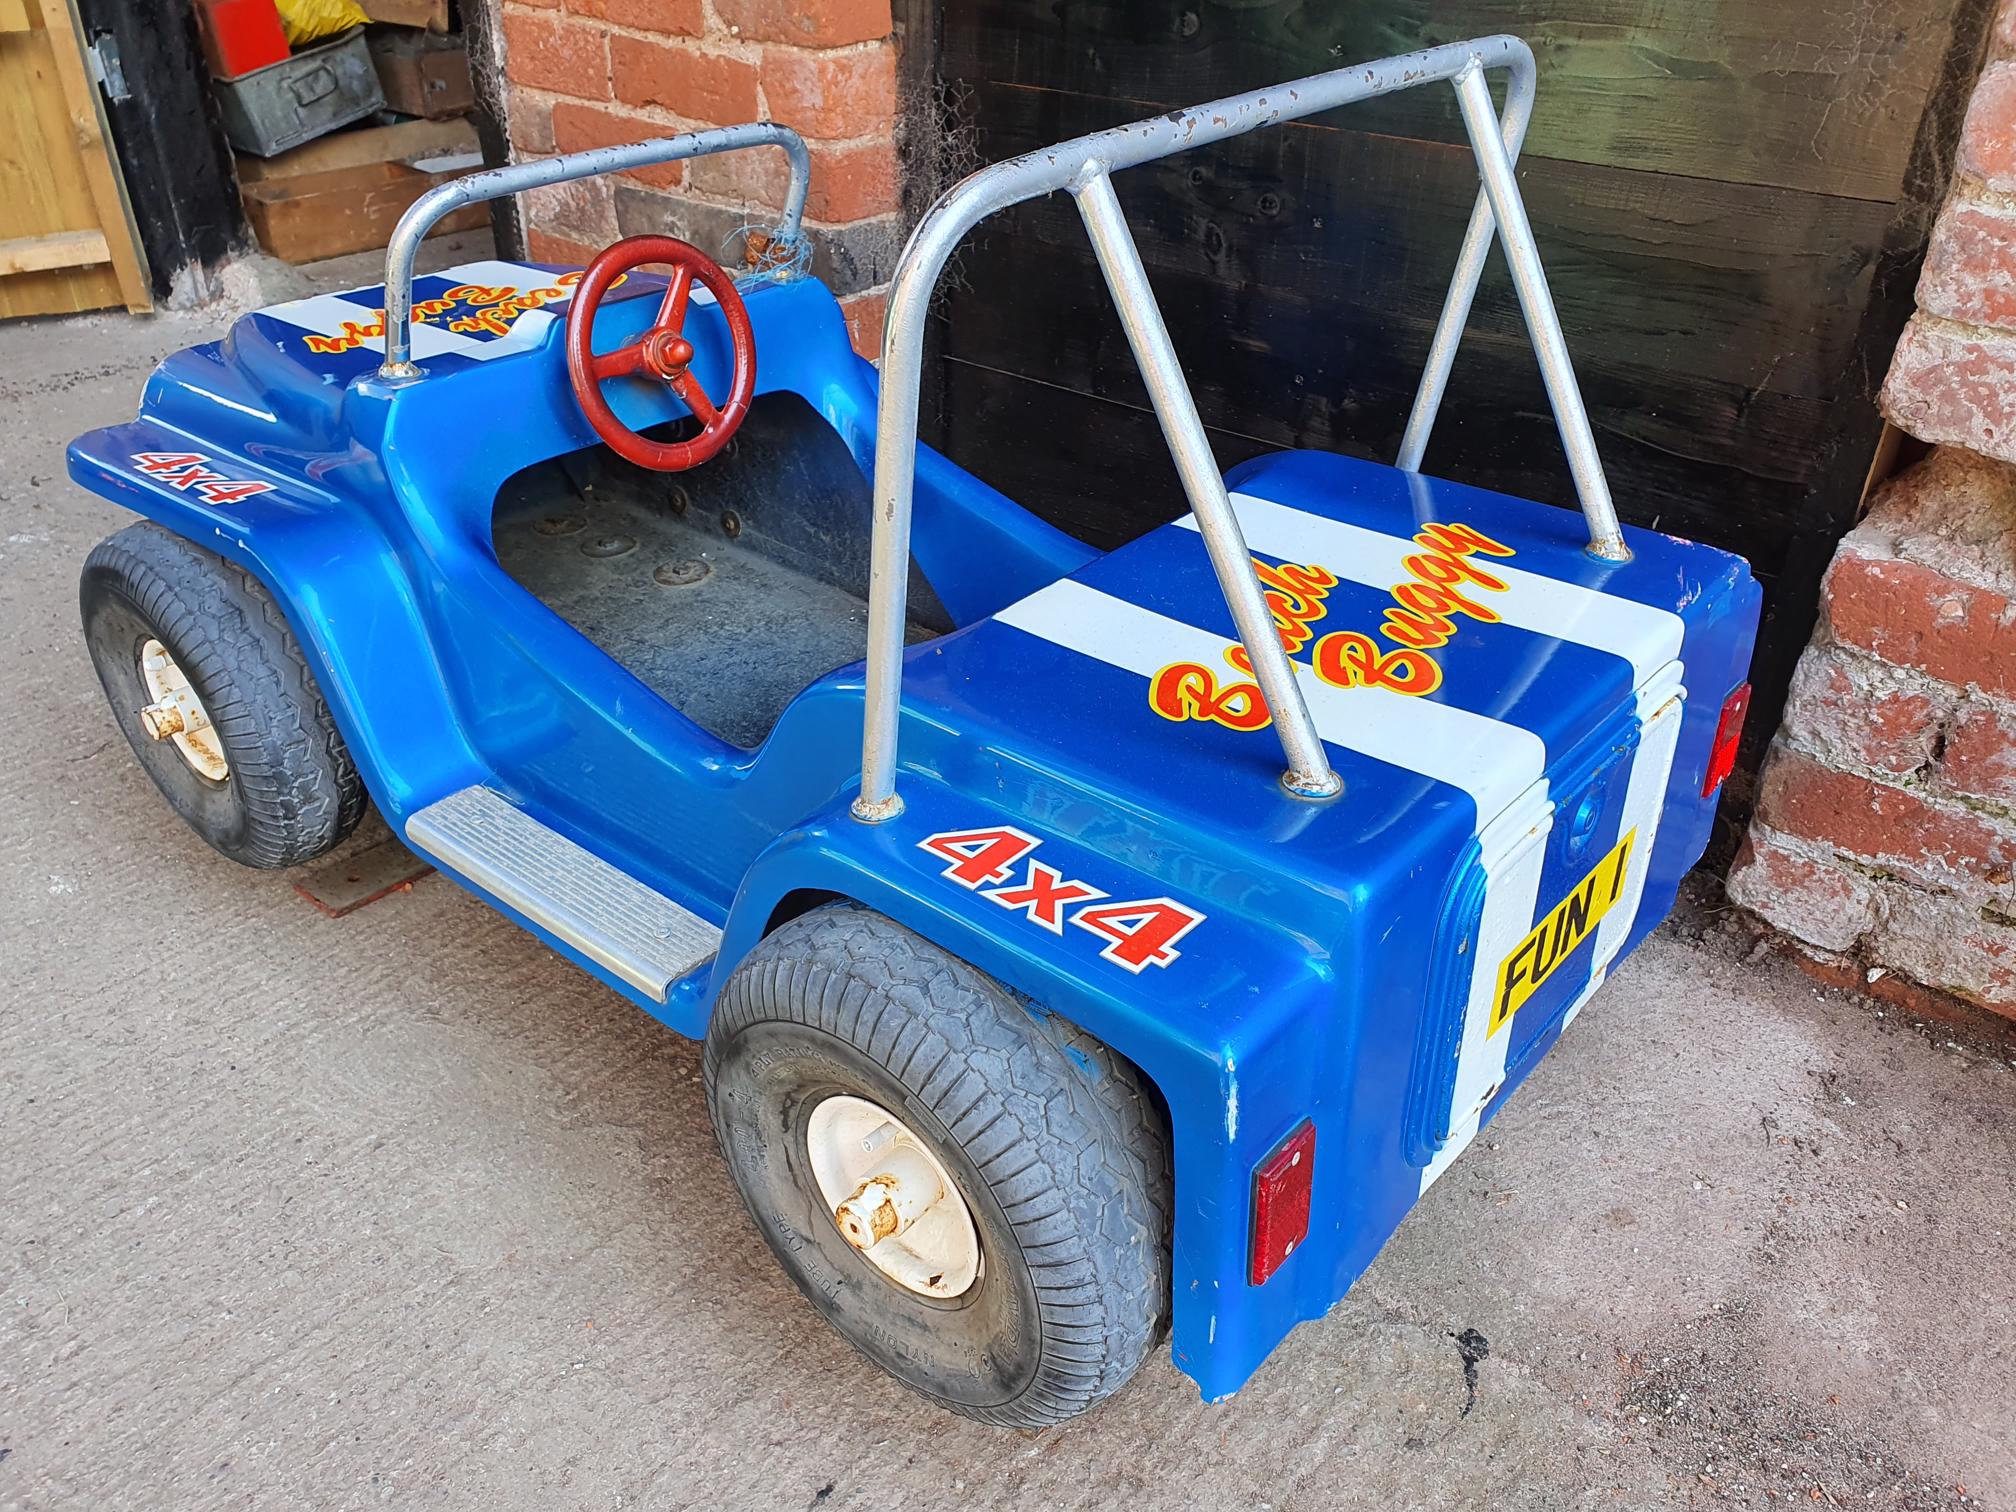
(602, 911)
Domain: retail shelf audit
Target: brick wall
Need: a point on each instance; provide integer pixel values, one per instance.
(588, 73)
(1885, 832)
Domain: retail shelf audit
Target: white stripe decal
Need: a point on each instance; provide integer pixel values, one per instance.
(1513, 853)
(1660, 703)
(1646, 637)
(327, 314)
(1492, 761)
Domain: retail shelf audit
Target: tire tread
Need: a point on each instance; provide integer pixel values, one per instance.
(290, 765)
(1068, 1137)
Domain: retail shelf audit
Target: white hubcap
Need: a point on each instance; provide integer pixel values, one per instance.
(177, 714)
(891, 1198)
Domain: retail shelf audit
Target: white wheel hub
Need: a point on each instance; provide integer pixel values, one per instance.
(891, 1198)
(177, 714)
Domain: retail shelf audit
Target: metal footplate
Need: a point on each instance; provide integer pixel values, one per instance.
(609, 916)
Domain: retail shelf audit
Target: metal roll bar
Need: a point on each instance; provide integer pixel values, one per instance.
(1083, 167)
(495, 183)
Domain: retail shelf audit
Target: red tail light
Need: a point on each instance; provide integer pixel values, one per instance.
(1728, 734)
(1281, 1201)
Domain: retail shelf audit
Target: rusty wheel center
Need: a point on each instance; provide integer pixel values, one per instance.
(892, 1198)
(174, 712)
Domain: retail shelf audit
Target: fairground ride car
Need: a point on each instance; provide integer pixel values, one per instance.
(1128, 942)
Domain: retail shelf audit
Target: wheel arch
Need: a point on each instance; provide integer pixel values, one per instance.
(1264, 1059)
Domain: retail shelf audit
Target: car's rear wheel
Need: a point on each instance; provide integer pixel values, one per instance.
(213, 693)
(974, 1194)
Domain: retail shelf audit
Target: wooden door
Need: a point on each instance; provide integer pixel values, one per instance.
(67, 240)
(1731, 199)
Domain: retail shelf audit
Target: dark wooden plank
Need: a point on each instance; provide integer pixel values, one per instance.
(1288, 369)
(1798, 94)
(1747, 286)
(1101, 472)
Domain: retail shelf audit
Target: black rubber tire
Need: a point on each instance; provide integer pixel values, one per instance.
(1058, 1148)
(293, 792)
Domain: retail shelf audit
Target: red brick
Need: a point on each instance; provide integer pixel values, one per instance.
(544, 246)
(678, 18)
(1912, 616)
(583, 211)
(1900, 991)
(1825, 905)
(531, 125)
(831, 95)
(1891, 826)
(577, 128)
(538, 4)
(552, 52)
(853, 183)
(1954, 512)
(1970, 266)
(1954, 941)
(807, 23)
(1957, 386)
(1988, 136)
(1857, 709)
(700, 86)
(1980, 755)
(848, 183)
(864, 314)
(753, 178)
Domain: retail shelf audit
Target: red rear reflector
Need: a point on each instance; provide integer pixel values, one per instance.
(1728, 734)
(1281, 1201)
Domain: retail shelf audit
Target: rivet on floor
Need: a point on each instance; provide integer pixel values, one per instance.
(681, 574)
(731, 522)
(608, 545)
(675, 498)
(561, 525)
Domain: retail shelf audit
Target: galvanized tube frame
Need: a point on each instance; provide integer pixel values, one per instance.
(1083, 167)
(516, 178)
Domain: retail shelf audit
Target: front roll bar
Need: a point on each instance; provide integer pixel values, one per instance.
(515, 178)
(1084, 167)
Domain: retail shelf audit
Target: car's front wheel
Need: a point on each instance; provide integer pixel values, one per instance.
(211, 689)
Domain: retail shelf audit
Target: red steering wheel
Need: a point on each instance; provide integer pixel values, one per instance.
(661, 353)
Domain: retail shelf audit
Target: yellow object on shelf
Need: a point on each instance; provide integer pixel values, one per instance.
(307, 21)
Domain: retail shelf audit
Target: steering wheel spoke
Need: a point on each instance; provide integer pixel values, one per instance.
(624, 362)
(672, 309)
(687, 387)
(664, 351)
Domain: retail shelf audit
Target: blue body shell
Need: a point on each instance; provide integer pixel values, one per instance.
(1349, 962)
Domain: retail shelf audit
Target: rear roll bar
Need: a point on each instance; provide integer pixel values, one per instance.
(495, 183)
(1083, 167)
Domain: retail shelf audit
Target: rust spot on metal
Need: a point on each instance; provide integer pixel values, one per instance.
(884, 1221)
(161, 720)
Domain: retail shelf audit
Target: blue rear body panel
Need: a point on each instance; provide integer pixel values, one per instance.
(1343, 961)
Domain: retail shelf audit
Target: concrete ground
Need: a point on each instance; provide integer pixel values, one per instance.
(399, 1208)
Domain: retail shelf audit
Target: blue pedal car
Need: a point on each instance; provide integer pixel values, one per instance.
(1125, 944)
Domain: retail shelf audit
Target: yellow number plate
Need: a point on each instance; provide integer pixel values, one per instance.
(1555, 937)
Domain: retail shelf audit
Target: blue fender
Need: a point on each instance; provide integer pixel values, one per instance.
(1239, 1060)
